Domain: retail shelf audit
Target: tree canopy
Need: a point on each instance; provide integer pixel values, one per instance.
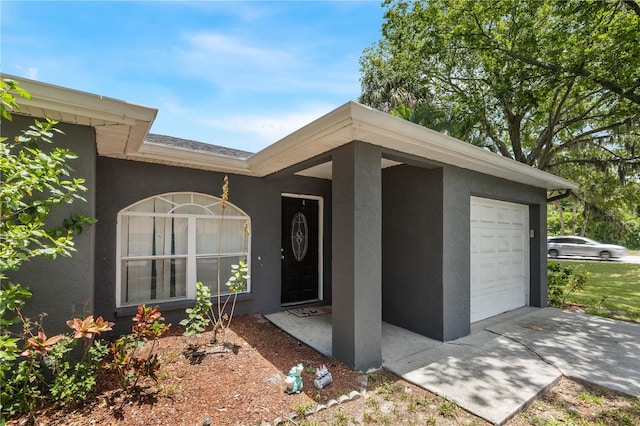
(552, 84)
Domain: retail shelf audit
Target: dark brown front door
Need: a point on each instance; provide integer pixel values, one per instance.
(299, 250)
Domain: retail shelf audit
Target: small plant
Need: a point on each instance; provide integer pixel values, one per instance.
(373, 403)
(368, 417)
(74, 380)
(24, 385)
(387, 389)
(341, 418)
(220, 314)
(301, 409)
(564, 280)
(131, 367)
(198, 317)
(170, 391)
(590, 398)
(447, 408)
(412, 406)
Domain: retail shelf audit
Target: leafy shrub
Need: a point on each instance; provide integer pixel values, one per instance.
(126, 359)
(74, 381)
(24, 384)
(563, 280)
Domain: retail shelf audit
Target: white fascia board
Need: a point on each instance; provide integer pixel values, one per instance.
(356, 122)
(47, 96)
(401, 135)
(350, 122)
(322, 135)
(151, 152)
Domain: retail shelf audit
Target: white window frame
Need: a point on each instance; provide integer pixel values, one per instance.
(191, 255)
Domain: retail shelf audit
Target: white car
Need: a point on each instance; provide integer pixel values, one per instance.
(581, 246)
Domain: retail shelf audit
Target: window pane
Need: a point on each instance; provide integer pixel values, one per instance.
(171, 236)
(207, 236)
(190, 209)
(234, 238)
(205, 200)
(147, 280)
(208, 272)
(154, 205)
(149, 236)
(137, 236)
(178, 199)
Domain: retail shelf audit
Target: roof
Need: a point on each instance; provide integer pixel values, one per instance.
(122, 131)
(191, 145)
(120, 126)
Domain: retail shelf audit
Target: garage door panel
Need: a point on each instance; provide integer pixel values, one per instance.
(518, 217)
(503, 215)
(491, 272)
(499, 257)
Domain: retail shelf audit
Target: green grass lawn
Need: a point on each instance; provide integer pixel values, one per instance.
(612, 286)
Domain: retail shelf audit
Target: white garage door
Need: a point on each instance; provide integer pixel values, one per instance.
(499, 257)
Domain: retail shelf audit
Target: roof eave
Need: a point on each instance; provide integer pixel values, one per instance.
(177, 156)
(120, 126)
(356, 122)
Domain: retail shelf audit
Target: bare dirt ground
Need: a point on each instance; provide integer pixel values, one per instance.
(246, 387)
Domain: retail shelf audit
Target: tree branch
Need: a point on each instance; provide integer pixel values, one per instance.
(581, 137)
(633, 5)
(577, 72)
(545, 140)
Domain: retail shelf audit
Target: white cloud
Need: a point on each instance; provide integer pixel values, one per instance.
(32, 73)
(250, 131)
(269, 127)
(208, 47)
(236, 65)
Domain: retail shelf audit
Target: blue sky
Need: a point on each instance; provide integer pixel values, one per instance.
(237, 74)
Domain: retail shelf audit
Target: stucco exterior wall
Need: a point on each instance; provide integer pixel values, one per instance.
(122, 183)
(412, 289)
(63, 288)
(426, 245)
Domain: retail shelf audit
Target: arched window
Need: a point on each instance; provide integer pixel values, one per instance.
(169, 242)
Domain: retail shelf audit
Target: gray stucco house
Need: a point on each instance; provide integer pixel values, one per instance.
(378, 217)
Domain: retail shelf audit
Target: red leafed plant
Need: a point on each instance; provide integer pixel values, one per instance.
(148, 326)
(40, 344)
(88, 328)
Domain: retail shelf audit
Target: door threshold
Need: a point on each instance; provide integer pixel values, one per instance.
(304, 302)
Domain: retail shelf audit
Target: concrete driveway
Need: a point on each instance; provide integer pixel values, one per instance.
(507, 361)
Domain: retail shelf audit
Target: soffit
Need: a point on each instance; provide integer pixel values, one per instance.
(120, 126)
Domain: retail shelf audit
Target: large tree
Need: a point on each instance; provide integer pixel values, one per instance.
(552, 84)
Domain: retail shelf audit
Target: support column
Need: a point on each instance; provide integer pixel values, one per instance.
(357, 256)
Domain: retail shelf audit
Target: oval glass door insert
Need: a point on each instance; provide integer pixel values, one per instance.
(299, 236)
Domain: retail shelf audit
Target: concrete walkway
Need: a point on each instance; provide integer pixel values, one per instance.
(506, 361)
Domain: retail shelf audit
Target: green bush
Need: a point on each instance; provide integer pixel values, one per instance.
(563, 280)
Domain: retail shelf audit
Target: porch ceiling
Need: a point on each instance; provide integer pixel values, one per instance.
(121, 128)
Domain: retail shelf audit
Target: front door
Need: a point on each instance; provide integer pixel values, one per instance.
(299, 250)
